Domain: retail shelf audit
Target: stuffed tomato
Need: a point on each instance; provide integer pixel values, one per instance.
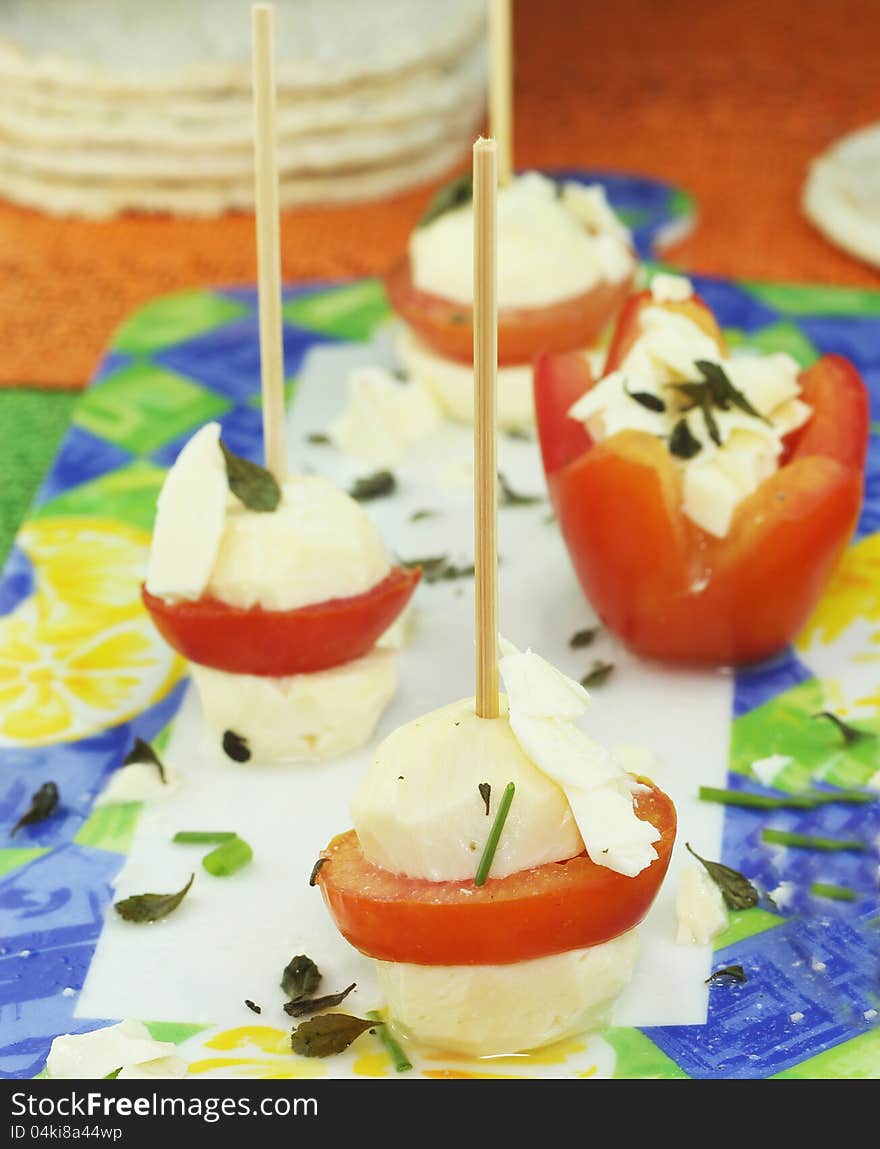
(498, 869)
(704, 498)
(565, 267)
(280, 596)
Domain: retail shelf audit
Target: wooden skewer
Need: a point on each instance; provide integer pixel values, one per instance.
(501, 86)
(268, 242)
(485, 466)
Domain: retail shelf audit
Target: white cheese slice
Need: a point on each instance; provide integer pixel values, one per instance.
(418, 809)
(138, 782)
(102, 1051)
(190, 514)
(675, 341)
(485, 1010)
(590, 204)
(318, 544)
(699, 907)
(710, 497)
(767, 381)
(790, 416)
(593, 780)
(303, 718)
(666, 288)
(452, 383)
(384, 417)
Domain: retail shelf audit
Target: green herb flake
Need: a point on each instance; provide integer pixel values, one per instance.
(235, 747)
(203, 837)
(519, 434)
(395, 1052)
(112, 1075)
(301, 977)
(457, 193)
(832, 891)
(737, 891)
(682, 442)
(144, 752)
(328, 1034)
(486, 794)
(319, 439)
(302, 1006)
(256, 487)
(646, 399)
(597, 675)
(850, 734)
(582, 638)
(43, 803)
(723, 392)
(375, 486)
(228, 858)
(438, 568)
(727, 973)
(811, 841)
(313, 876)
(151, 907)
(252, 1006)
(508, 497)
(488, 855)
(425, 513)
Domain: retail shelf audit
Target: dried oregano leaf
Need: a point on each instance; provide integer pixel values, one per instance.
(328, 1034)
(151, 907)
(301, 1006)
(43, 802)
(257, 488)
(737, 891)
(301, 977)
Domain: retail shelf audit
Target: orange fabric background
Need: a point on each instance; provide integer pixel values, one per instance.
(729, 99)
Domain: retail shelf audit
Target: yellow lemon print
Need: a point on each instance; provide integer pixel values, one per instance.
(80, 654)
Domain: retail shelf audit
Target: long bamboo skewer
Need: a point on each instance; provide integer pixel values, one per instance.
(485, 466)
(268, 242)
(501, 85)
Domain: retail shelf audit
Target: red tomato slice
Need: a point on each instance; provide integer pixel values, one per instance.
(672, 591)
(447, 326)
(547, 910)
(276, 643)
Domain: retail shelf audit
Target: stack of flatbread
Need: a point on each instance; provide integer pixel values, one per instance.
(116, 105)
(842, 194)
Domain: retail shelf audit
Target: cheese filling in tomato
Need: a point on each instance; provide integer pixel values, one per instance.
(726, 446)
(554, 242)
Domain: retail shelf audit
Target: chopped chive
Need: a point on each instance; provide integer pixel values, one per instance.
(597, 675)
(398, 1058)
(807, 801)
(228, 858)
(582, 638)
(203, 837)
(494, 835)
(811, 842)
(829, 890)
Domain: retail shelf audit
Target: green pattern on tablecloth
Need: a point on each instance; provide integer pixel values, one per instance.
(639, 1057)
(173, 319)
(351, 312)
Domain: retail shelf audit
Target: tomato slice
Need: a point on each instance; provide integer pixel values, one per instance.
(448, 327)
(560, 380)
(276, 643)
(672, 591)
(546, 910)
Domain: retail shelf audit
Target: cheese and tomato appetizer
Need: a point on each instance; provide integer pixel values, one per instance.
(704, 497)
(279, 612)
(565, 267)
(541, 949)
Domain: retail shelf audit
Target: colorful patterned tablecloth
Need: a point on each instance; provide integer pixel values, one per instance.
(82, 674)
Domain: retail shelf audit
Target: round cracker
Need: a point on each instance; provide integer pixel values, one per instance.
(63, 197)
(841, 195)
(204, 45)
